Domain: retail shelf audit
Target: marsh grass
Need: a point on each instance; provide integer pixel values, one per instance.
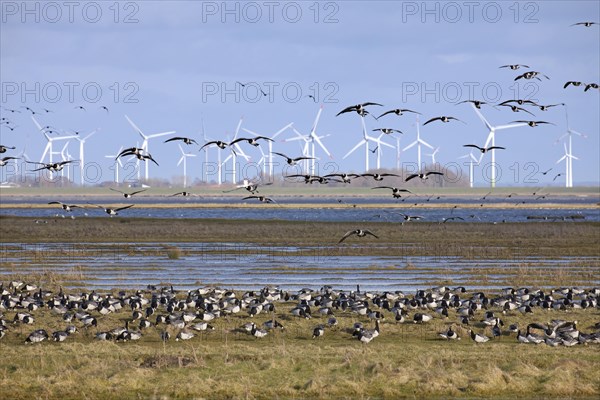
(406, 360)
(173, 252)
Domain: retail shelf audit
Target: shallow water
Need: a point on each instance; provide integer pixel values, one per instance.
(350, 214)
(249, 267)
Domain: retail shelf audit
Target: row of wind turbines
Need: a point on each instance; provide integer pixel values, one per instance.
(309, 143)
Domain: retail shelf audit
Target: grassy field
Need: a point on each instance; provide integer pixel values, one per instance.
(406, 361)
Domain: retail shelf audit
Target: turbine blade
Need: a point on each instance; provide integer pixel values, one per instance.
(322, 146)
(410, 145)
(282, 130)
(499, 127)
(314, 127)
(482, 118)
(135, 127)
(363, 141)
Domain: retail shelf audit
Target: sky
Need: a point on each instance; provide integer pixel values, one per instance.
(173, 66)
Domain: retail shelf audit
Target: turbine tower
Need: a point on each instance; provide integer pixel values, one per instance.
(418, 142)
(569, 134)
(183, 159)
(568, 158)
(146, 139)
(65, 156)
(82, 156)
(365, 141)
(491, 140)
(472, 159)
(117, 163)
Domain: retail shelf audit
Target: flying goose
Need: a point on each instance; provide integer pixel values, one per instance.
(519, 102)
(4, 160)
(140, 155)
(423, 176)
(183, 139)
(183, 194)
(66, 207)
(128, 195)
(476, 103)
(514, 66)
(515, 108)
(443, 118)
(253, 141)
(292, 161)
(398, 111)
(531, 75)
(378, 177)
(4, 148)
(574, 83)
(345, 177)
(590, 86)
(586, 24)
(484, 149)
(359, 233)
(262, 199)
(545, 108)
(387, 131)
(112, 211)
(395, 191)
(220, 144)
(408, 218)
(53, 167)
(359, 108)
(533, 123)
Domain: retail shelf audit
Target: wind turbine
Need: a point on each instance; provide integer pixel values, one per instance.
(82, 155)
(568, 158)
(270, 155)
(418, 142)
(235, 150)
(365, 141)
(472, 159)
(310, 140)
(491, 140)
(117, 163)
(146, 139)
(570, 132)
(183, 159)
(49, 149)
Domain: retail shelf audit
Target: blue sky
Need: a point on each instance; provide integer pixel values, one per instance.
(166, 64)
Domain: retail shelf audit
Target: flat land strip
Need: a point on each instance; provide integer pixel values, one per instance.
(405, 361)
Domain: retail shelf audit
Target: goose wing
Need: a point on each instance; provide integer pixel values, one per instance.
(349, 233)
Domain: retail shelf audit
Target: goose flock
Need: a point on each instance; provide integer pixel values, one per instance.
(162, 313)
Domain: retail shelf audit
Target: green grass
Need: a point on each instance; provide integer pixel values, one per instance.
(407, 360)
